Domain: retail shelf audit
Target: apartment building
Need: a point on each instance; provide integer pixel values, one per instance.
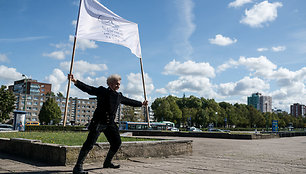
(260, 102)
(29, 86)
(297, 110)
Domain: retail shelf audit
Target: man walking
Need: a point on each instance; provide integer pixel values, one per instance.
(103, 119)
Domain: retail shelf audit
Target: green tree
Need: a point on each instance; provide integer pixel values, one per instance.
(175, 111)
(156, 108)
(50, 111)
(201, 119)
(7, 101)
(243, 115)
(50, 94)
(59, 94)
(256, 118)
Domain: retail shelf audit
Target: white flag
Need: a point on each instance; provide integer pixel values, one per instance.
(96, 22)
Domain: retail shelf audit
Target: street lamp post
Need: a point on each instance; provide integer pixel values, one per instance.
(25, 91)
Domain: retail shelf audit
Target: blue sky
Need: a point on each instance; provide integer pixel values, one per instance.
(222, 49)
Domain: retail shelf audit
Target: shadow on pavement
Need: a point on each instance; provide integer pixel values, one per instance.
(23, 160)
(47, 172)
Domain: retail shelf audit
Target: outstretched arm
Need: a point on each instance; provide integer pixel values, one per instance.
(82, 86)
(131, 102)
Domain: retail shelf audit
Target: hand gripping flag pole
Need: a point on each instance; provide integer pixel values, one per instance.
(96, 22)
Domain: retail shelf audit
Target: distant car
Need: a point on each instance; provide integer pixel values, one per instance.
(218, 130)
(6, 127)
(174, 129)
(194, 129)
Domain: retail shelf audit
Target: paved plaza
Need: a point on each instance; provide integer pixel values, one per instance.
(279, 155)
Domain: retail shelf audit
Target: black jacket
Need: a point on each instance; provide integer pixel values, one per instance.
(108, 102)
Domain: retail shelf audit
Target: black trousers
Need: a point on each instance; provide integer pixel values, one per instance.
(111, 132)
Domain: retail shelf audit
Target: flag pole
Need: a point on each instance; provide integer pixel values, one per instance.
(144, 92)
(71, 68)
(69, 82)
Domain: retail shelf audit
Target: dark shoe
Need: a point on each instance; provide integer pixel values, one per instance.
(110, 165)
(79, 170)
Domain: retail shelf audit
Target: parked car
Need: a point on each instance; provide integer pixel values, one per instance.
(6, 127)
(174, 129)
(194, 129)
(218, 130)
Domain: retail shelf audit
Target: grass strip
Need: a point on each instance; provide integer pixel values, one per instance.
(62, 138)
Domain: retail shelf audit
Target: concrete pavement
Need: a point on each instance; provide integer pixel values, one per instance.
(279, 155)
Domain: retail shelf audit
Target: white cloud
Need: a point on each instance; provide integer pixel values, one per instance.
(288, 86)
(64, 49)
(9, 74)
(59, 55)
(62, 46)
(188, 84)
(245, 86)
(230, 64)
(274, 49)
(84, 44)
(239, 3)
(184, 28)
(134, 88)
(286, 96)
(222, 41)
(189, 68)
(262, 49)
(57, 78)
(192, 77)
(74, 22)
(287, 78)
(193, 84)
(162, 91)
(82, 67)
(261, 66)
(3, 58)
(278, 48)
(261, 13)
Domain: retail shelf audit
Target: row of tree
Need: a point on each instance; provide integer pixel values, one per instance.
(200, 112)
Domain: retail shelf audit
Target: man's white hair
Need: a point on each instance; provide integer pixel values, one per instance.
(113, 78)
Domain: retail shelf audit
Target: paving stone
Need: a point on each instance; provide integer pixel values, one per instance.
(210, 156)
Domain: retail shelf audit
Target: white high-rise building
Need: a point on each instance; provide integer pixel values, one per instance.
(260, 102)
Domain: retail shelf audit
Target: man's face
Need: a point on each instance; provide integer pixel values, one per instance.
(115, 85)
